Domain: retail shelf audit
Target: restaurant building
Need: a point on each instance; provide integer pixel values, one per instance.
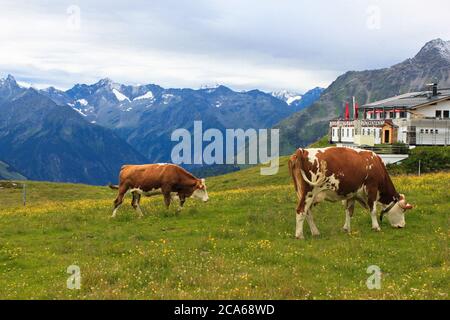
(416, 118)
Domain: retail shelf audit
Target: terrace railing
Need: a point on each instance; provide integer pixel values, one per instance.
(388, 149)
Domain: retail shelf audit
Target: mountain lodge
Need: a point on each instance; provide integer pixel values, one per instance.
(415, 118)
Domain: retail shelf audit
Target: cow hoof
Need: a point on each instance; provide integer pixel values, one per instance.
(316, 234)
(300, 238)
(346, 230)
(378, 229)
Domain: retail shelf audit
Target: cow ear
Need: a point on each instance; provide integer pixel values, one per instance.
(408, 206)
(402, 196)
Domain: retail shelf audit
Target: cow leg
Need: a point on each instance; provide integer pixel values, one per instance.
(302, 210)
(174, 198)
(299, 226)
(349, 207)
(373, 214)
(135, 203)
(166, 191)
(312, 225)
(119, 200)
(182, 201)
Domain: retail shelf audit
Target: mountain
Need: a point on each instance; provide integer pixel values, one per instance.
(431, 64)
(287, 96)
(146, 115)
(9, 88)
(45, 141)
(299, 101)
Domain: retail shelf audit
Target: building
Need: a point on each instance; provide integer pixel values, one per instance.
(416, 118)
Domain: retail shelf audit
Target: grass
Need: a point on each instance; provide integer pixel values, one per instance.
(239, 245)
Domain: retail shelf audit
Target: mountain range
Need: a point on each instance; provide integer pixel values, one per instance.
(146, 115)
(430, 64)
(86, 133)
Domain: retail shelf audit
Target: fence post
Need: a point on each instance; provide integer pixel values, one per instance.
(419, 167)
(24, 194)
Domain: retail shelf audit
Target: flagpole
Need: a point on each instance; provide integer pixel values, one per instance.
(354, 104)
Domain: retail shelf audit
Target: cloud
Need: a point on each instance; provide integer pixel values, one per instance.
(249, 44)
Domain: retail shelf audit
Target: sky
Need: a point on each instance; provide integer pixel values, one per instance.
(244, 44)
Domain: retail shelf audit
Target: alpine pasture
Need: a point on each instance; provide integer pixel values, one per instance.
(239, 245)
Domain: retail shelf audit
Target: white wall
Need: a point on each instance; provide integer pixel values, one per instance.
(430, 111)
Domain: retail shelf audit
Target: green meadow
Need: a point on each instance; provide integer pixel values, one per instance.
(239, 245)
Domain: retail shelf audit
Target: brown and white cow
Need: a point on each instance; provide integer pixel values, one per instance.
(347, 175)
(163, 178)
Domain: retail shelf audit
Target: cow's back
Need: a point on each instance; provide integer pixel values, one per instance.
(349, 168)
(146, 176)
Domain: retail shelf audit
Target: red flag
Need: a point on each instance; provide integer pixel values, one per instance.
(355, 115)
(347, 112)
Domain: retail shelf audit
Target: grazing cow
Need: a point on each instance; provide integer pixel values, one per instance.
(168, 179)
(347, 175)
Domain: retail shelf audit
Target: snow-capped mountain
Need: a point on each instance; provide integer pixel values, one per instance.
(102, 101)
(287, 96)
(435, 49)
(298, 101)
(9, 88)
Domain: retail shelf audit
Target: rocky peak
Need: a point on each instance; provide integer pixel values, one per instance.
(434, 49)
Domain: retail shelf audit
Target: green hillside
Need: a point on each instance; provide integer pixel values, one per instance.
(7, 173)
(239, 245)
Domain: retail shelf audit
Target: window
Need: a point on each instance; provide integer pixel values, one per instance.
(436, 131)
(392, 115)
(438, 113)
(368, 132)
(431, 131)
(353, 132)
(402, 114)
(364, 132)
(426, 131)
(348, 132)
(421, 130)
(446, 112)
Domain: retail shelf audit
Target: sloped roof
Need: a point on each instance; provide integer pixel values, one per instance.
(410, 100)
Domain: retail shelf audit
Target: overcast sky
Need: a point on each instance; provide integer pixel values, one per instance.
(244, 44)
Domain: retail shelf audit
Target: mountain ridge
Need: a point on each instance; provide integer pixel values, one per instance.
(140, 114)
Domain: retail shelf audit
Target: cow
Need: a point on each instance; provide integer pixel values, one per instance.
(347, 175)
(169, 180)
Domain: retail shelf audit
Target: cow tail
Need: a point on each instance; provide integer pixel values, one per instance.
(291, 165)
(294, 165)
(113, 186)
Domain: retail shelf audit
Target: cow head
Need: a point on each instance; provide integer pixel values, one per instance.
(396, 214)
(200, 191)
